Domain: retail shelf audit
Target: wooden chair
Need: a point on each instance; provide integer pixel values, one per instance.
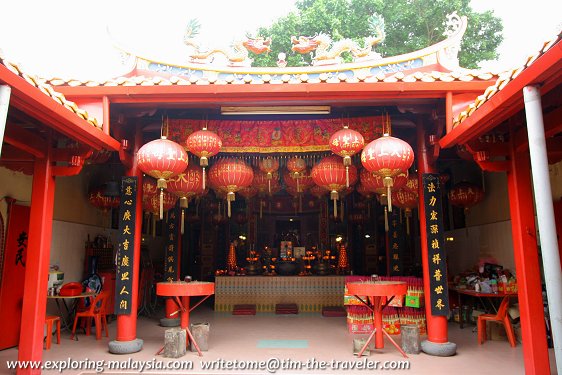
(49, 320)
(95, 311)
(500, 317)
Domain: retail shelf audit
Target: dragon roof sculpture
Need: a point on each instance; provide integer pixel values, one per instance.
(208, 65)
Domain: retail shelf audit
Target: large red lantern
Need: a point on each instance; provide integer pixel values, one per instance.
(301, 183)
(268, 166)
(186, 185)
(412, 183)
(465, 194)
(330, 174)
(149, 187)
(162, 159)
(231, 175)
(204, 143)
(346, 143)
(387, 157)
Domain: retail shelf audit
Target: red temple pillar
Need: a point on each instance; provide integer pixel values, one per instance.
(437, 342)
(126, 340)
(37, 264)
(533, 331)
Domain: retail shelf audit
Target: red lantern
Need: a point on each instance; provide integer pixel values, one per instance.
(154, 205)
(149, 187)
(346, 143)
(318, 191)
(186, 185)
(231, 175)
(407, 200)
(296, 166)
(330, 174)
(412, 183)
(465, 194)
(268, 166)
(204, 143)
(162, 159)
(387, 157)
(301, 183)
(98, 200)
(248, 192)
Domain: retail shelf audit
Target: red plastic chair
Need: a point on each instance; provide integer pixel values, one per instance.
(96, 311)
(49, 320)
(500, 317)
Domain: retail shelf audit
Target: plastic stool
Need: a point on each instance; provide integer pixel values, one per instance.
(49, 319)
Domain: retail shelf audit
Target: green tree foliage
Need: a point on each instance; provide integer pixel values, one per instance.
(409, 25)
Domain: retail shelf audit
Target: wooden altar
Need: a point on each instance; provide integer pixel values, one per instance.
(310, 293)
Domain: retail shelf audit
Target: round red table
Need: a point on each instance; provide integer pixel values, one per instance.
(375, 291)
(180, 291)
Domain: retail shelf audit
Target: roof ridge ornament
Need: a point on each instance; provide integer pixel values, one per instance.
(328, 54)
(237, 55)
(452, 24)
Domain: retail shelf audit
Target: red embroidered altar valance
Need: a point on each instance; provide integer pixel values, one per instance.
(275, 136)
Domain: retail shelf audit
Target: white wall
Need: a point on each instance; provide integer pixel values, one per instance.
(481, 241)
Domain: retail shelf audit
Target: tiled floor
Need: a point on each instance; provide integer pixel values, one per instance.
(237, 337)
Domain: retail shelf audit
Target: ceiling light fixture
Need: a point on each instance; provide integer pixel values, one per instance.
(278, 110)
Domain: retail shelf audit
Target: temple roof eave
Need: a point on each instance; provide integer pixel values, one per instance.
(541, 68)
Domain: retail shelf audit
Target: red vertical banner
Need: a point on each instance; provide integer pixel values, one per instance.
(13, 275)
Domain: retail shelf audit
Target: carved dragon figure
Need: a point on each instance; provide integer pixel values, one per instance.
(237, 56)
(326, 55)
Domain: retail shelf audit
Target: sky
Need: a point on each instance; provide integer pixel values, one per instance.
(77, 38)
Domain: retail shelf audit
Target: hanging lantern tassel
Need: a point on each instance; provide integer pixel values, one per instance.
(298, 186)
(385, 220)
(161, 204)
(408, 214)
(334, 197)
(388, 184)
(269, 177)
(347, 163)
(184, 203)
(230, 197)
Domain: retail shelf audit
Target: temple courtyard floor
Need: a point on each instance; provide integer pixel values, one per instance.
(296, 344)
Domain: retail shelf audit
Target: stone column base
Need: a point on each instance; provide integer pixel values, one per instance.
(167, 322)
(125, 347)
(446, 349)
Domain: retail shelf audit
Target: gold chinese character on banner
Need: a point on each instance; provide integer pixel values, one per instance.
(433, 215)
(439, 289)
(171, 237)
(431, 187)
(170, 259)
(434, 229)
(123, 304)
(170, 269)
(170, 279)
(435, 243)
(432, 200)
(126, 244)
(123, 290)
(129, 190)
(127, 230)
(395, 246)
(437, 275)
(125, 261)
(436, 259)
(394, 234)
(127, 215)
(395, 257)
(396, 268)
(125, 276)
(128, 202)
(439, 304)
